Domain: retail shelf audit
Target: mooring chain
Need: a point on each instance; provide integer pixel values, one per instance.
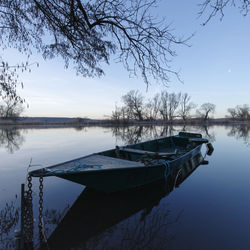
(40, 224)
(28, 214)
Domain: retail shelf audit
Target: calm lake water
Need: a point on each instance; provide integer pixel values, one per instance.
(209, 210)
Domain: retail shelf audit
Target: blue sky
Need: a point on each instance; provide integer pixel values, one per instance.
(216, 68)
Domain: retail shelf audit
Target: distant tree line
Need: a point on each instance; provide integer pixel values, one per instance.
(240, 112)
(163, 106)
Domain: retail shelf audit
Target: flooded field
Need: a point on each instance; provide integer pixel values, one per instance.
(210, 209)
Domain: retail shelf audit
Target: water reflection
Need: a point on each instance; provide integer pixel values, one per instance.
(127, 220)
(207, 133)
(80, 128)
(135, 134)
(10, 221)
(215, 198)
(11, 139)
(241, 132)
(9, 218)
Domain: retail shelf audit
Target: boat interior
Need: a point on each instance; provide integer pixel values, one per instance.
(163, 148)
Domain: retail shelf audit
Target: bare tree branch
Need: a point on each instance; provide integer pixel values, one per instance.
(211, 8)
(88, 33)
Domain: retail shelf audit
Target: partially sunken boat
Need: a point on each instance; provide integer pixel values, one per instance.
(130, 166)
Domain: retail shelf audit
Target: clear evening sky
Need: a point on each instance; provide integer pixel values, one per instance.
(216, 69)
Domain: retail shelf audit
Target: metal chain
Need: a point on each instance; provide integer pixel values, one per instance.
(40, 224)
(28, 215)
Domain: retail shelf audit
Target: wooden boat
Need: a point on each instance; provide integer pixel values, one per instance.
(84, 220)
(130, 166)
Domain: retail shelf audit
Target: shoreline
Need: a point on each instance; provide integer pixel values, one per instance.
(35, 124)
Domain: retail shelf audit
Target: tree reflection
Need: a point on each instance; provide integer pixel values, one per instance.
(207, 133)
(52, 218)
(80, 128)
(135, 134)
(9, 217)
(11, 139)
(241, 132)
(10, 221)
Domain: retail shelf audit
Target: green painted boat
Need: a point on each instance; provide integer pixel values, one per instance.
(130, 166)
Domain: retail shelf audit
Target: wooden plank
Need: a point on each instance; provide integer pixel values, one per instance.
(190, 135)
(144, 152)
(202, 140)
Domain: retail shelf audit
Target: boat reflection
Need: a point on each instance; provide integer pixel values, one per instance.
(95, 213)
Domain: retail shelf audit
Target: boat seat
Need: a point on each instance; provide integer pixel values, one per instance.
(144, 152)
(201, 140)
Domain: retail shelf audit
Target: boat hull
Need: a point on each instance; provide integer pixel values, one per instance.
(117, 179)
(131, 166)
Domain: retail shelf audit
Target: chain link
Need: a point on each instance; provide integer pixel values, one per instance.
(28, 215)
(40, 224)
